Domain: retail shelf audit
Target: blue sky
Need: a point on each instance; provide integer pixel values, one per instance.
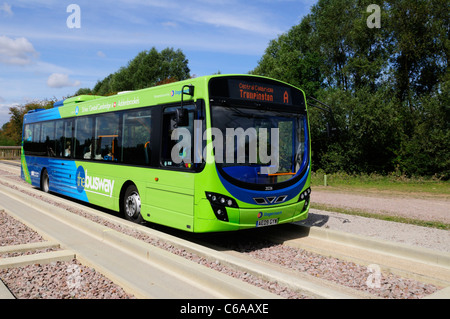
(42, 58)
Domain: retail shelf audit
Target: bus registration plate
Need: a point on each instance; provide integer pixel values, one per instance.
(267, 222)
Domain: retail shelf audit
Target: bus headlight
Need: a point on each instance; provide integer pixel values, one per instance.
(304, 196)
(220, 199)
(219, 204)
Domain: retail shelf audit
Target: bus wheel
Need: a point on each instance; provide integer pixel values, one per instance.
(44, 181)
(132, 205)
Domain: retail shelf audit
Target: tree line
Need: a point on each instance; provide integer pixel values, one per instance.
(388, 87)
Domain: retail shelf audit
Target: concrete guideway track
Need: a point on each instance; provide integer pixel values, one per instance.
(320, 240)
(141, 269)
(254, 267)
(298, 283)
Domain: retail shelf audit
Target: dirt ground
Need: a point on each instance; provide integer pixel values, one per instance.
(428, 208)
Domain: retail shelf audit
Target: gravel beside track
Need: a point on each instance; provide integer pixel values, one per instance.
(344, 273)
(31, 285)
(15, 233)
(57, 280)
(60, 280)
(426, 237)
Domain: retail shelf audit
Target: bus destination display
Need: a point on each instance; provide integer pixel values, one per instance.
(259, 92)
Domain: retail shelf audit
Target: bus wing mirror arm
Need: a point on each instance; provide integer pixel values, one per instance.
(182, 116)
(331, 129)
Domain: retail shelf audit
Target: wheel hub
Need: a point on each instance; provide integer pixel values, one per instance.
(133, 205)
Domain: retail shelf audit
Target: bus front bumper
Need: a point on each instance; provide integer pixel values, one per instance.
(246, 218)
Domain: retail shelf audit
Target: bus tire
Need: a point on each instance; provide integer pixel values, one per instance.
(132, 205)
(44, 181)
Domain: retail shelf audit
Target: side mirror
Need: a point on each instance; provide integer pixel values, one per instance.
(190, 90)
(332, 130)
(182, 117)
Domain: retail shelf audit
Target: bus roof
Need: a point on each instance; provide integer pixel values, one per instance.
(77, 99)
(94, 104)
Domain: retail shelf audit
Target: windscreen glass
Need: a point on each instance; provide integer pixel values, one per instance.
(259, 146)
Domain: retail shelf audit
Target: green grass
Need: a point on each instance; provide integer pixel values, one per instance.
(390, 183)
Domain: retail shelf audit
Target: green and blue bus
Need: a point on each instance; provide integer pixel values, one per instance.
(213, 153)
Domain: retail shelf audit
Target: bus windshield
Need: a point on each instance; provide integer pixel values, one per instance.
(260, 146)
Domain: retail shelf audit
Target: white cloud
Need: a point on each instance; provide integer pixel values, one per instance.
(246, 20)
(59, 80)
(170, 24)
(218, 13)
(6, 8)
(18, 52)
(101, 54)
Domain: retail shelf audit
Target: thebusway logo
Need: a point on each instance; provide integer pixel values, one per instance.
(97, 185)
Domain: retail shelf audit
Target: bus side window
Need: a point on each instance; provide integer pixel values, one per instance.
(48, 138)
(67, 143)
(38, 147)
(27, 139)
(59, 136)
(83, 137)
(106, 137)
(183, 152)
(136, 137)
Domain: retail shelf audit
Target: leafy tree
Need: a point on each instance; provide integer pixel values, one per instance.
(388, 87)
(420, 46)
(5, 140)
(12, 131)
(147, 69)
(426, 150)
(293, 59)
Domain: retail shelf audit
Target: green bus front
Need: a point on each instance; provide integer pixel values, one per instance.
(246, 162)
(269, 186)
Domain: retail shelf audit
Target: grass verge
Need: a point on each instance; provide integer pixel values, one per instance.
(391, 183)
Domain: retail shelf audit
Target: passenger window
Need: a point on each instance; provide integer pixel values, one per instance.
(37, 133)
(27, 139)
(67, 139)
(38, 147)
(83, 138)
(59, 136)
(137, 132)
(107, 137)
(48, 138)
(177, 152)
